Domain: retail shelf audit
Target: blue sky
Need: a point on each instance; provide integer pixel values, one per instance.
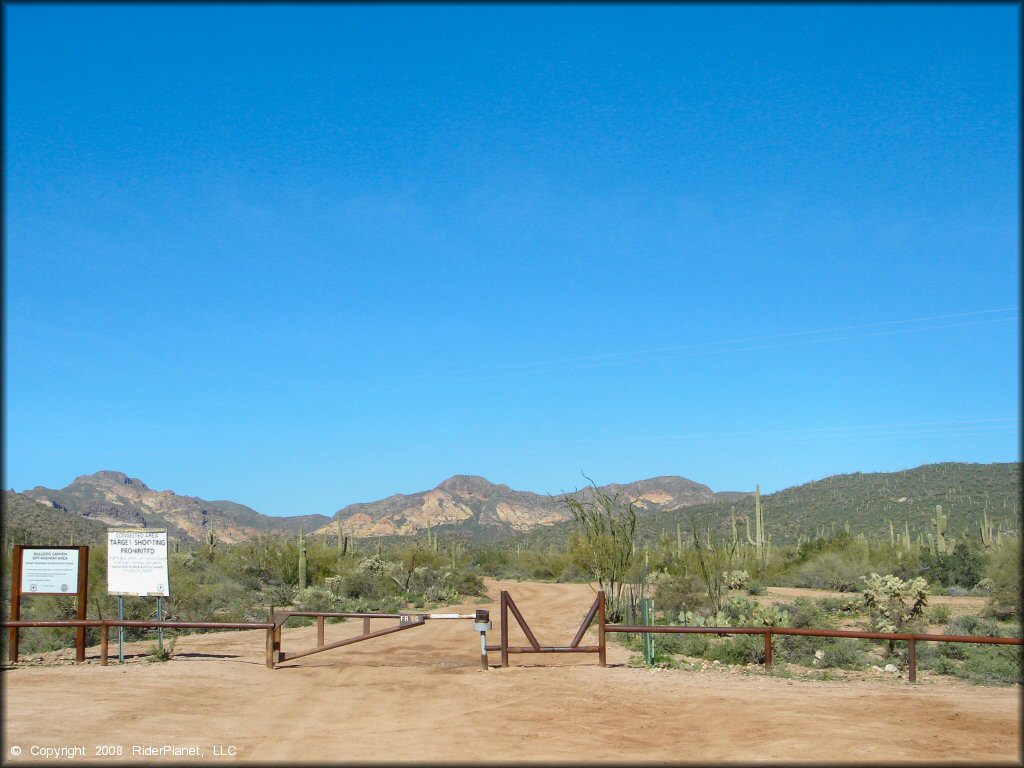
(304, 256)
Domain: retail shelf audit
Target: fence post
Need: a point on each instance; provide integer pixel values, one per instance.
(601, 657)
(912, 662)
(504, 628)
(270, 639)
(319, 630)
(104, 643)
(768, 651)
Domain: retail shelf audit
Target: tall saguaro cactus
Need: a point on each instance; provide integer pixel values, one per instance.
(940, 523)
(211, 536)
(986, 530)
(759, 540)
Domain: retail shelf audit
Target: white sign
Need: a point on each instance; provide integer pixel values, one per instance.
(49, 571)
(137, 562)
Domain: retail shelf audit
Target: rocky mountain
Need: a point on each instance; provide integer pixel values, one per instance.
(26, 521)
(474, 504)
(114, 499)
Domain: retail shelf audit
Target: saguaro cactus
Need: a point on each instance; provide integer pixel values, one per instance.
(940, 523)
(211, 535)
(759, 540)
(986, 530)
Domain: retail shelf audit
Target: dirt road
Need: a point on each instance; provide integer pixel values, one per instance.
(420, 696)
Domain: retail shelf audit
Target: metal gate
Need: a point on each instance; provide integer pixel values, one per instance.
(275, 655)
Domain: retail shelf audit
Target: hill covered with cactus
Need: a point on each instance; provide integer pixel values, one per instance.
(972, 497)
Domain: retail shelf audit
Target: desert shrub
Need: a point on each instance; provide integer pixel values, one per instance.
(675, 592)
(836, 571)
(840, 606)
(755, 588)
(938, 614)
(1004, 570)
(804, 613)
(317, 599)
(741, 649)
(991, 664)
(962, 568)
(844, 653)
(976, 626)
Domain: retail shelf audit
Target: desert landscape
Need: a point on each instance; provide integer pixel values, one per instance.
(420, 696)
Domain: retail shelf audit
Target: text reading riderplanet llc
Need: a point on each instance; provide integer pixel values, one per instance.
(166, 750)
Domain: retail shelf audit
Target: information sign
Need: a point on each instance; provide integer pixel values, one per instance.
(49, 572)
(137, 562)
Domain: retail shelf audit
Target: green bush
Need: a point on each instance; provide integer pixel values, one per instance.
(938, 614)
(992, 664)
(844, 653)
(1004, 570)
(836, 571)
(674, 592)
(741, 649)
(975, 626)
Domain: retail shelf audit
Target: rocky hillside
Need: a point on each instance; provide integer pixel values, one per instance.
(114, 499)
(476, 505)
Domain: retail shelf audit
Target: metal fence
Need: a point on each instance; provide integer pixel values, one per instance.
(277, 619)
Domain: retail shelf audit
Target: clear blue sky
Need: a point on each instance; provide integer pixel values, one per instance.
(304, 256)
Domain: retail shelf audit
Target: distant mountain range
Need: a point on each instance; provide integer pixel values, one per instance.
(114, 499)
(471, 506)
(479, 507)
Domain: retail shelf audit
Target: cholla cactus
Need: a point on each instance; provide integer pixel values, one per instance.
(735, 579)
(894, 603)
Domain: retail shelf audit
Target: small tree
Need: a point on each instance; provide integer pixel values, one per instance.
(714, 562)
(894, 604)
(607, 530)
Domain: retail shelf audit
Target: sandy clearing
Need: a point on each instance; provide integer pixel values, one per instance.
(419, 696)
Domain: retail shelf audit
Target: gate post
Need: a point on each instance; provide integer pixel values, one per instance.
(504, 628)
(600, 629)
(270, 639)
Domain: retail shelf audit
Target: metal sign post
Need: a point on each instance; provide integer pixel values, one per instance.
(160, 617)
(481, 623)
(120, 630)
(137, 565)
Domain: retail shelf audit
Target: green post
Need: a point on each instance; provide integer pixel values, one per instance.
(302, 559)
(646, 612)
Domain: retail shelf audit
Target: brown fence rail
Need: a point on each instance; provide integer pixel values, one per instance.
(407, 621)
(106, 624)
(911, 638)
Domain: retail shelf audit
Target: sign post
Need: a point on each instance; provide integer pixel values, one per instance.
(137, 565)
(42, 570)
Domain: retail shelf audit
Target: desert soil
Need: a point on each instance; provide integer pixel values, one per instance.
(420, 696)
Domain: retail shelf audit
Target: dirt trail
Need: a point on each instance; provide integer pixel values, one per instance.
(420, 696)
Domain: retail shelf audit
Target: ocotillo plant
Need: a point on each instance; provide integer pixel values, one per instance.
(302, 559)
